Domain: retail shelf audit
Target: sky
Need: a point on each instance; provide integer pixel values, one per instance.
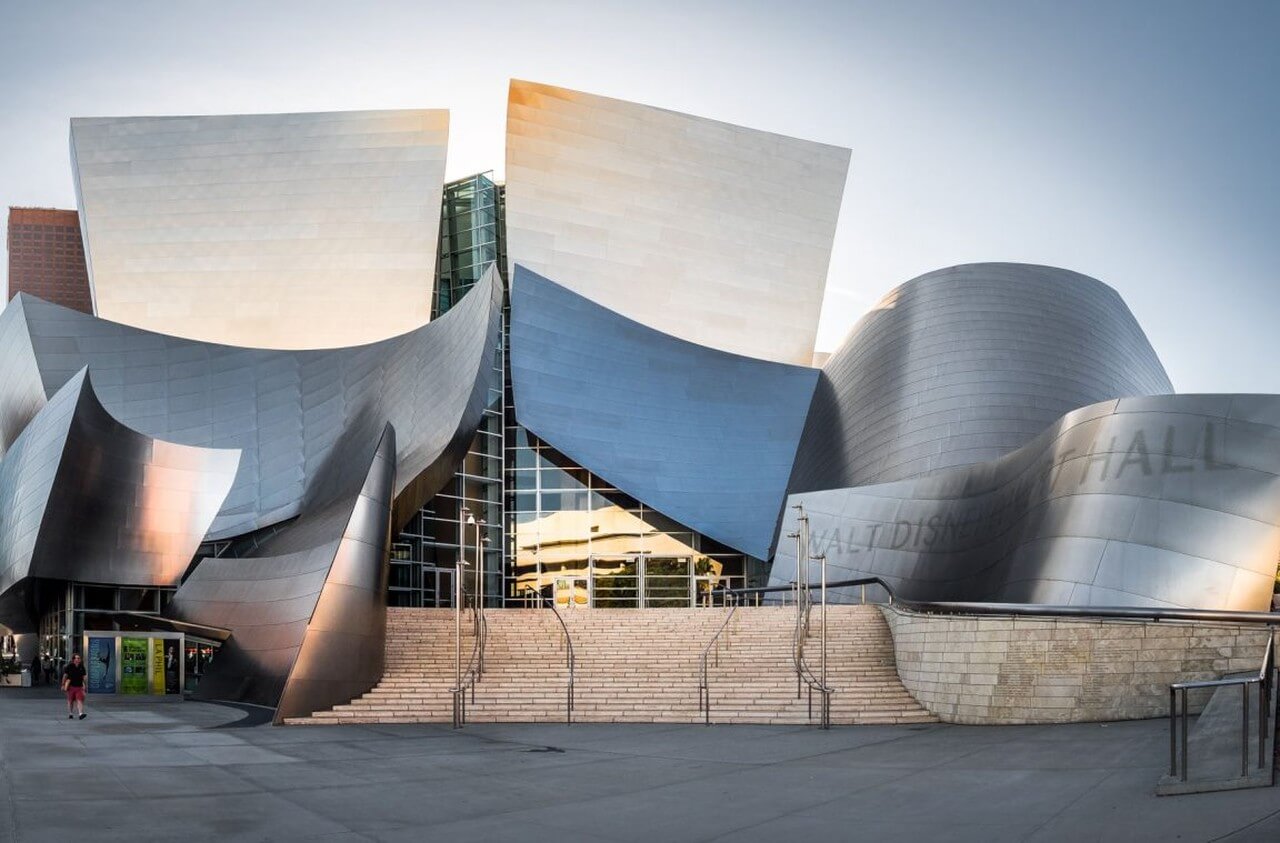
(1137, 142)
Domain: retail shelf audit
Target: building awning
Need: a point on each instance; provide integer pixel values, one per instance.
(143, 622)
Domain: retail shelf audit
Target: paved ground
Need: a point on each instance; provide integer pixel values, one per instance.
(167, 771)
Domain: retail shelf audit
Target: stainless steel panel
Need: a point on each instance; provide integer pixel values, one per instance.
(83, 497)
(308, 613)
(716, 234)
(703, 436)
(1123, 503)
(431, 384)
(266, 230)
(967, 364)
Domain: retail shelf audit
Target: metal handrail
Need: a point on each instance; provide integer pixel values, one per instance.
(945, 607)
(804, 605)
(1264, 680)
(704, 689)
(470, 676)
(570, 657)
(804, 673)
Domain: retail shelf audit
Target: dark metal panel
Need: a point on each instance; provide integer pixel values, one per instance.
(703, 436)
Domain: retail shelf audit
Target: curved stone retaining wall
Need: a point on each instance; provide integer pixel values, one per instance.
(1001, 670)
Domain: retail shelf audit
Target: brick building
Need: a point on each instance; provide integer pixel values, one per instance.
(46, 257)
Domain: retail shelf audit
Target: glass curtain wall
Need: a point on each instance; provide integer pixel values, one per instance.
(573, 537)
(550, 525)
(62, 618)
(426, 554)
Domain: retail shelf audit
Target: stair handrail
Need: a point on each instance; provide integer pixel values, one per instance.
(570, 657)
(1265, 680)
(704, 687)
(470, 675)
(1035, 610)
(805, 675)
(804, 672)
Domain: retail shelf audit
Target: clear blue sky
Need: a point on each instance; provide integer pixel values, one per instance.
(1137, 142)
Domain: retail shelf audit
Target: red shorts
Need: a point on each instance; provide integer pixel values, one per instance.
(75, 694)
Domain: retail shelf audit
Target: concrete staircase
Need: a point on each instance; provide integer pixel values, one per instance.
(634, 666)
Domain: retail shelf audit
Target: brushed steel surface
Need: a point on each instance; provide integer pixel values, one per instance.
(703, 436)
(1170, 500)
(298, 417)
(83, 497)
(307, 614)
(268, 230)
(964, 365)
(713, 233)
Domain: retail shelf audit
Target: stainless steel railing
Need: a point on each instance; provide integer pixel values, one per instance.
(798, 588)
(1265, 681)
(704, 686)
(466, 678)
(570, 657)
(805, 675)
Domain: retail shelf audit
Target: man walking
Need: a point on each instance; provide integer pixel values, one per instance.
(73, 686)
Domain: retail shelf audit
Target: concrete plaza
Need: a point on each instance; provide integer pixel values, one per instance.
(150, 770)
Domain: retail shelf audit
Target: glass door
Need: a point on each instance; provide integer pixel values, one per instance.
(667, 582)
(617, 582)
(572, 592)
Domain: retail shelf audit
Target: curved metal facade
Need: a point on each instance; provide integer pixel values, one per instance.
(703, 436)
(1171, 500)
(265, 230)
(966, 364)
(83, 497)
(297, 416)
(709, 232)
(308, 614)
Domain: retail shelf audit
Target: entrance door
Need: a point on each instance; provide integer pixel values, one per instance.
(667, 582)
(437, 587)
(572, 592)
(616, 581)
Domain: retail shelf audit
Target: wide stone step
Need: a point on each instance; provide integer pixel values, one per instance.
(634, 666)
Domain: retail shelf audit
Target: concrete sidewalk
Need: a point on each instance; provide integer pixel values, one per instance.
(157, 770)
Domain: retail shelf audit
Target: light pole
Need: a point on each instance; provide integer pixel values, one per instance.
(480, 584)
(802, 594)
(458, 574)
(826, 693)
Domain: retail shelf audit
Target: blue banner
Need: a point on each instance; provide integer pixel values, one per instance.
(102, 665)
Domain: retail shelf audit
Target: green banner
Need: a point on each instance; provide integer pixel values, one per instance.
(157, 665)
(133, 665)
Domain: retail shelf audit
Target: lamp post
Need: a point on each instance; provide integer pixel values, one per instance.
(802, 582)
(826, 693)
(458, 573)
(479, 524)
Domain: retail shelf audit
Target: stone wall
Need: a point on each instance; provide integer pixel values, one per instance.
(992, 670)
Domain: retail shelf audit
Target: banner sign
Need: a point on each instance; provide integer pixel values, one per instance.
(102, 666)
(157, 665)
(133, 665)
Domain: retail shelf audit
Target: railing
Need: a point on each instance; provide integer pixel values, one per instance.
(804, 673)
(1265, 679)
(466, 678)
(570, 658)
(1265, 682)
(704, 687)
(804, 606)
